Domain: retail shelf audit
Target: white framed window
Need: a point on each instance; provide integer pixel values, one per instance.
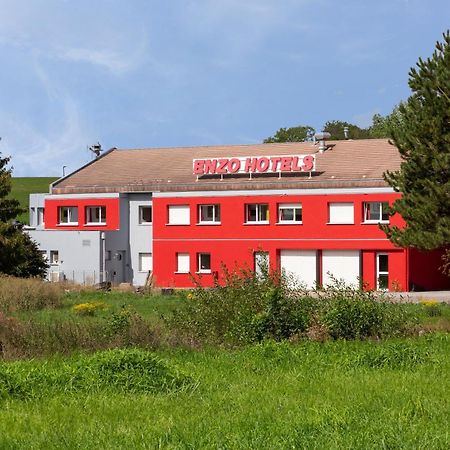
(40, 216)
(375, 212)
(257, 213)
(261, 262)
(68, 215)
(209, 213)
(341, 213)
(145, 262)
(32, 216)
(145, 215)
(54, 257)
(183, 263)
(96, 215)
(382, 271)
(204, 262)
(289, 213)
(179, 215)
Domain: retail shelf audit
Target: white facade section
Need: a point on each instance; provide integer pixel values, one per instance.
(37, 210)
(300, 265)
(343, 265)
(140, 235)
(341, 213)
(179, 215)
(183, 263)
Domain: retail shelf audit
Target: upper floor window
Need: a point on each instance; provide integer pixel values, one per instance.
(257, 213)
(209, 213)
(145, 215)
(68, 215)
(341, 213)
(96, 215)
(40, 216)
(179, 215)
(289, 213)
(376, 212)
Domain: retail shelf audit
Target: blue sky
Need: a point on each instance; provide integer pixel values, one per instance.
(197, 72)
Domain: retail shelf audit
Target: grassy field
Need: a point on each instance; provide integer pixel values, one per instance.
(337, 394)
(22, 187)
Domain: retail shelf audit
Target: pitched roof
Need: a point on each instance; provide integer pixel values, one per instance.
(350, 163)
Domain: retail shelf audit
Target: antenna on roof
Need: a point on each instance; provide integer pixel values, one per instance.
(96, 149)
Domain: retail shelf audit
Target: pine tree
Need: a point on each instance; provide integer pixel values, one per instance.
(19, 254)
(421, 132)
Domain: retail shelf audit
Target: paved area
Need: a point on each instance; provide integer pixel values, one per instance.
(415, 297)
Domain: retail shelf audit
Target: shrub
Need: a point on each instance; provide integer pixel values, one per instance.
(248, 307)
(27, 294)
(432, 308)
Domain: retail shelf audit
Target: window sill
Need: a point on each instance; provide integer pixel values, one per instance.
(256, 223)
(69, 224)
(177, 224)
(145, 271)
(145, 224)
(209, 223)
(375, 222)
(95, 224)
(182, 273)
(340, 223)
(204, 272)
(289, 223)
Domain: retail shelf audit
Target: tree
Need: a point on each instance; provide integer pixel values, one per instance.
(336, 129)
(421, 132)
(294, 134)
(19, 254)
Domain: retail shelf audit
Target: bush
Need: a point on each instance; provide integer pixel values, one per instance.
(248, 307)
(28, 294)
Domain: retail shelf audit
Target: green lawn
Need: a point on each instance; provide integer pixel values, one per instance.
(22, 187)
(273, 396)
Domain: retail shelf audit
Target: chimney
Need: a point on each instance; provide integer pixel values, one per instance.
(322, 137)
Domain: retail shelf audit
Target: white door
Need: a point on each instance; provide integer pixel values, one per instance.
(343, 265)
(301, 265)
(261, 262)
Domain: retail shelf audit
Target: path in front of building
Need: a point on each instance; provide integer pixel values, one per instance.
(416, 297)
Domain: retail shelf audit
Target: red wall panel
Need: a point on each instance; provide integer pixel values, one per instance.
(112, 213)
(424, 271)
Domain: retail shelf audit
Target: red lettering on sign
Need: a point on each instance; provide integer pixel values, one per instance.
(275, 160)
(199, 165)
(210, 165)
(286, 164)
(234, 165)
(250, 164)
(263, 164)
(295, 166)
(308, 163)
(222, 166)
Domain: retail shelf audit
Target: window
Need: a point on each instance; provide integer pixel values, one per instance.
(68, 215)
(376, 212)
(257, 212)
(382, 271)
(209, 213)
(183, 262)
(289, 213)
(145, 215)
(32, 216)
(341, 213)
(44, 255)
(179, 215)
(54, 257)
(261, 263)
(96, 214)
(204, 262)
(145, 262)
(40, 216)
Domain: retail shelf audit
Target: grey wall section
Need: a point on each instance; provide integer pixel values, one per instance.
(79, 254)
(36, 201)
(140, 236)
(117, 246)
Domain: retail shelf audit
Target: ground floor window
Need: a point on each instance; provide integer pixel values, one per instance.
(183, 262)
(204, 262)
(261, 262)
(382, 271)
(145, 262)
(54, 257)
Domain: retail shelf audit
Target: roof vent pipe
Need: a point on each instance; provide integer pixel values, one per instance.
(322, 137)
(345, 132)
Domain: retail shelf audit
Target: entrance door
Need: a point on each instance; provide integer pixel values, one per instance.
(382, 272)
(342, 265)
(301, 265)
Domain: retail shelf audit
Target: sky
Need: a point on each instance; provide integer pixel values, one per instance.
(155, 73)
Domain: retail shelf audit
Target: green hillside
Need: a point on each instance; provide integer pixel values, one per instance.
(22, 187)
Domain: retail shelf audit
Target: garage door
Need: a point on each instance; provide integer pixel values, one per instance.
(342, 265)
(301, 265)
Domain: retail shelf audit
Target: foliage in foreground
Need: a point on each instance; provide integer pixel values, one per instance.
(125, 371)
(250, 307)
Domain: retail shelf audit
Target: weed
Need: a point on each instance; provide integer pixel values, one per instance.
(89, 308)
